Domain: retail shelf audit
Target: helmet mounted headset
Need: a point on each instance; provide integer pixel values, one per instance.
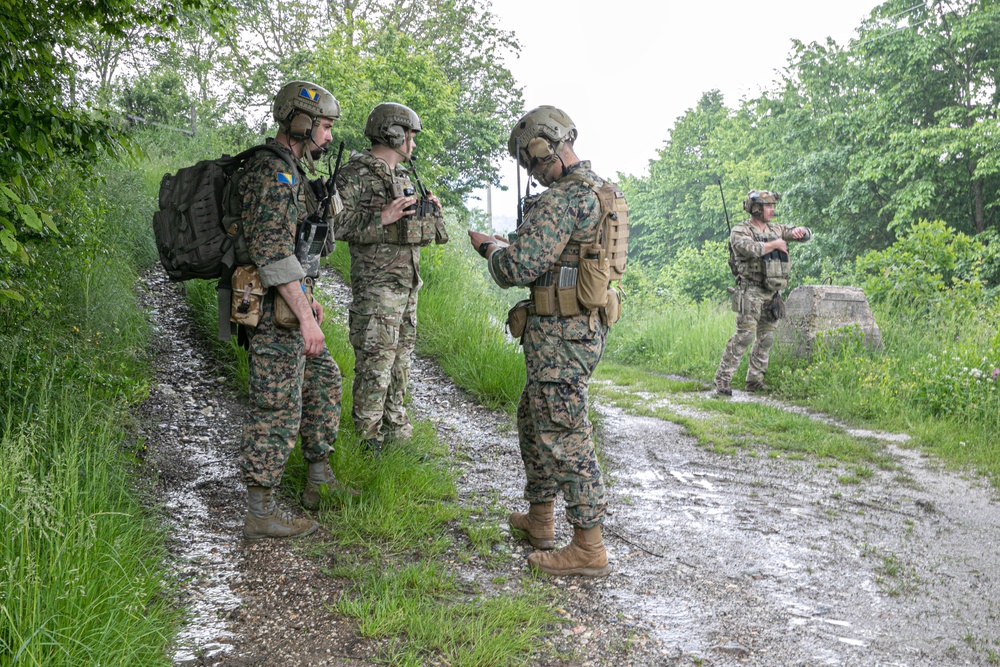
(298, 108)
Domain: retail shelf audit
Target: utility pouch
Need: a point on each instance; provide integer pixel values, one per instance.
(440, 231)
(248, 296)
(283, 315)
(737, 301)
(595, 274)
(517, 318)
(543, 295)
(776, 270)
(611, 312)
(568, 304)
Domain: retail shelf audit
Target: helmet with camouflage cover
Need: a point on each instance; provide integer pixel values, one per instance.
(754, 203)
(546, 122)
(388, 122)
(297, 97)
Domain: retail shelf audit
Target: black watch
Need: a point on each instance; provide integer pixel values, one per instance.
(483, 246)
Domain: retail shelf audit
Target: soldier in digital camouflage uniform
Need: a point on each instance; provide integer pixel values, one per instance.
(385, 239)
(759, 251)
(295, 385)
(560, 352)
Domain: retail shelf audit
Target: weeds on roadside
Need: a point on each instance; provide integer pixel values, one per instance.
(81, 562)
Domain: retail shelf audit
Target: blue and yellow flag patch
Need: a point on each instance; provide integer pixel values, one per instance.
(309, 93)
(286, 178)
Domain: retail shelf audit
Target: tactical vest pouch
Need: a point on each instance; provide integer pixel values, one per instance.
(776, 271)
(544, 298)
(248, 296)
(517, 318)
(440, 231)
(568, 304)
(283, 315)
(611, 312)
(594, 276)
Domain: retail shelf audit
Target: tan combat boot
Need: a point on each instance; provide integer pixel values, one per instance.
(265, 519)
(585, 556)
(537, 523)
(321, 476)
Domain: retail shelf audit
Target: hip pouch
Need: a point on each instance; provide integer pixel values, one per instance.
(517, 318)
(595, 275)
(248, 296)
(283, 315)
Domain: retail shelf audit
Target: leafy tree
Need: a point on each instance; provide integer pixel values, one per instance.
(39, 118)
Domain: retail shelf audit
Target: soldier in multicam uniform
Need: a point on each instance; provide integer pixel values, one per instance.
(295, 384)
(385, 236)
(759, 255)
(560, 351)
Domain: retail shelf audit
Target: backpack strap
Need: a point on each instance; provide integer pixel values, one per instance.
(225, 286)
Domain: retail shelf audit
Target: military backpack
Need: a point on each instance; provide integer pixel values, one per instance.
(191, 237)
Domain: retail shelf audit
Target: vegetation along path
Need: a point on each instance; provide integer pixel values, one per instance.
(729, 546)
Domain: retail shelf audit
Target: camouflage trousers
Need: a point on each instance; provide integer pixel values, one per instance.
(752, 326)
(291, 395)
(383, 331)
(554, 432)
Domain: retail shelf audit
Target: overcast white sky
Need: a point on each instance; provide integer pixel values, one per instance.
(626, 70)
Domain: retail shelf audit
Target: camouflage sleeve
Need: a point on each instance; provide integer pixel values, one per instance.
(741, 239)
(786, 233)
(270, 212)
(542, 238)
(360, 221)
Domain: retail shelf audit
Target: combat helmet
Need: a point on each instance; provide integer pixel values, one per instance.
(545, 122)
(388, 122)
(754, 203)
(297, 97)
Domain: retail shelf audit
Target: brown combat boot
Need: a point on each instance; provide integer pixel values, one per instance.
(585, 556)
(537, 523)
(321, 477)
(266, 519)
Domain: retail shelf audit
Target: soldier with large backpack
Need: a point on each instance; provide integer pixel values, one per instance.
(295, 385)
(758, 251)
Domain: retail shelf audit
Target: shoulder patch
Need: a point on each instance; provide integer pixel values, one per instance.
(286, 178)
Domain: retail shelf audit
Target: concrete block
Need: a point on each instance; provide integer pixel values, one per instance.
(815, 309)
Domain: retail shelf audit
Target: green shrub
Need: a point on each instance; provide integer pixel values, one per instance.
(700, 274)
(930, 260)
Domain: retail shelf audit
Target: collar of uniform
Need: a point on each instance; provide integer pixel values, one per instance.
(377, 165)
(582, 165)
(271, 141)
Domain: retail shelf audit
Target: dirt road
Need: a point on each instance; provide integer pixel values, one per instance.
(718, 559)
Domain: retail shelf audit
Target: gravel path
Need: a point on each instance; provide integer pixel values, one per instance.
(719, 559)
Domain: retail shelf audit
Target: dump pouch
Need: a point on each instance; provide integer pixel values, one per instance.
(774, 309)
(594, 276)
(517, 318)
(247, 296)
(283, 315)
(611, 312)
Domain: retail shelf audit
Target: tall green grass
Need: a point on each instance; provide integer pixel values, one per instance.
(684, 339)
(82, 578)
